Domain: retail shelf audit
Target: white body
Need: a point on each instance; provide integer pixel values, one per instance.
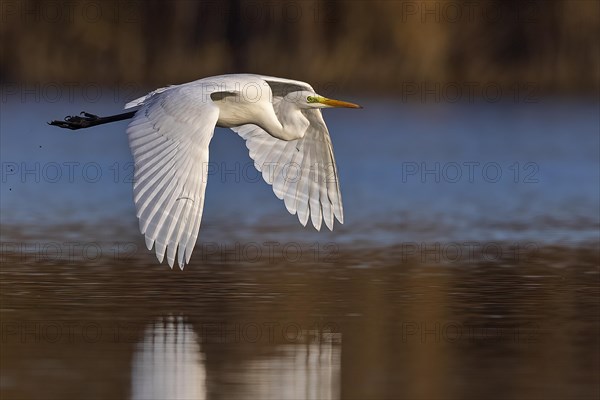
(284, 131)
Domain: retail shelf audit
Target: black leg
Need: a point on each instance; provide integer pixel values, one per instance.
(87, 120)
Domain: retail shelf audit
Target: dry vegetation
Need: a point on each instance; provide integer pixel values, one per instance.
(355, 44)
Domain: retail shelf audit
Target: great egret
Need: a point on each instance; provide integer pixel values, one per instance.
(281, 122)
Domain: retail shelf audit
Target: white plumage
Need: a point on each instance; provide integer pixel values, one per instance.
(284, 131)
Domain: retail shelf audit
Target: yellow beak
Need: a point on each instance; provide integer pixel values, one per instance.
(337, 103)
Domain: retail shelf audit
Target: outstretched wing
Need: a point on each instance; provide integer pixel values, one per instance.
(169, 138)
(280, 87)
(303, 171)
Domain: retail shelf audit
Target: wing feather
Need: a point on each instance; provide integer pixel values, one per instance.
(301, 195)
(169, 138)
(315, 193)
(293, 174)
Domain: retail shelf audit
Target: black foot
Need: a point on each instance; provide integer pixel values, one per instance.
(76, 122)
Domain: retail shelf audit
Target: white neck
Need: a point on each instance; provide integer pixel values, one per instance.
(287, 123)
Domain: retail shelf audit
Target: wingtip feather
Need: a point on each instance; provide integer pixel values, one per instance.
(149, 242)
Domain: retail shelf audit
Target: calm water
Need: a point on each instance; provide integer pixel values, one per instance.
(467, 267)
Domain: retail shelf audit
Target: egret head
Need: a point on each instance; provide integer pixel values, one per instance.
(306, 99)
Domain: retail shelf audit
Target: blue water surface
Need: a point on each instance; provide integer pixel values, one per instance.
(493, 171)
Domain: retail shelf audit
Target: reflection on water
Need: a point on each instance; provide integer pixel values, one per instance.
(168, 363)
(296, 371)
(373, 325)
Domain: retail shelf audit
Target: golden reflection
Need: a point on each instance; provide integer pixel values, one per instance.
(168, 363)
(297, 371)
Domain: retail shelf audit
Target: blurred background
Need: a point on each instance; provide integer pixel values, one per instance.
(468, 263)
(367, 45)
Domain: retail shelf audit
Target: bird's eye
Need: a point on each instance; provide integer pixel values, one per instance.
(311, 99)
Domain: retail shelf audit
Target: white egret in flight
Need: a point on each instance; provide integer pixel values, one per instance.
(281, 122)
